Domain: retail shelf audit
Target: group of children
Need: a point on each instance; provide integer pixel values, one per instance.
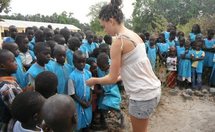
(182, 61)
(42, 62)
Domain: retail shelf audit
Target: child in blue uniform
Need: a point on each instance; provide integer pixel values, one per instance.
(80, 92)
(196, 30)
(184, 70)
(197, 57)
(180, 48)
(151, 51)
(27, 56)
(171, 40)
(19, 74)
(13, 33)
(73, 44)
(163, 48)
(29, 31)
(212, 78)
(61, 69)
(111, 98)
(42, 52)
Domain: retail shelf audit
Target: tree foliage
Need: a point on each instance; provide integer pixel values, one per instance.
(148, 14)
(63, 18)
(4, 6)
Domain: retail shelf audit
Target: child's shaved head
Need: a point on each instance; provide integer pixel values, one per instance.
(59, 113)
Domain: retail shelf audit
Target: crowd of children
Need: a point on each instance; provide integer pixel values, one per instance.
(180, 60)
(41, 62)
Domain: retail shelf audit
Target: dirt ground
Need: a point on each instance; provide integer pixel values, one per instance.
(175, 114)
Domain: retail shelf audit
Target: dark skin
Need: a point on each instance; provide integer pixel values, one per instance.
(9, 67)
(198, 48)
(187, 47)
(44, 56)
(30, 34)
(61, 56)
(79, 63)
(33, 122)
(210, 36)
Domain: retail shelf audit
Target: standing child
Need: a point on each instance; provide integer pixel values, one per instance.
(42, 52)
(151, 51)
(61, 70)
(171, 63)
(197, 65)
(80, 92)
(163, 48)
(27, 56)
(73, 44)
(8, 86)
(180, 49)
(209, 48)
(111, 98)
(26, 108)
(184, 70)
(19, 74)
(171, 40)
(212, 78)
(29, 31)
(12, 33)
(196, 30)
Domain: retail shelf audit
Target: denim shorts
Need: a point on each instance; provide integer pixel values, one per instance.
(142, 109)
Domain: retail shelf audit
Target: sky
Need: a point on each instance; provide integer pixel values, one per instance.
(80, 8)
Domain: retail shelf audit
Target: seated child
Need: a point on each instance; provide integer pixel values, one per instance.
(19, 74)
(46, 84)
(61, 70)
(26, 109)
(42, 52)
(27, 56)
(59, 113)
(8, 86)
(197, 57)
(73, 44)
(171, 63)
(111, 98)
(80, 92)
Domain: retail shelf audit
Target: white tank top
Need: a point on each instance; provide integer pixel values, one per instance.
(137, 75)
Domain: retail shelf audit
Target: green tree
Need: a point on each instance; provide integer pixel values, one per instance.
(93, 14)
(4, 6)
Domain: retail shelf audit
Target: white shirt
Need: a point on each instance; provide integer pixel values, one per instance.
(18, 128)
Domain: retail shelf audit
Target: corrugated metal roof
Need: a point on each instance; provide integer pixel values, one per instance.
(24, 24)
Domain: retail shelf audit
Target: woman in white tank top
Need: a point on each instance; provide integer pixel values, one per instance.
(129, 62)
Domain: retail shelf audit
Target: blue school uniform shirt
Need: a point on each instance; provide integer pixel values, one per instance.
(212, 77)
(198, 64)
(88, 48)
(8, 40)
(170, 43)
(32, 72)
(31, 44)
(208, 60)
(62, 72)
(185, 65)
(193, 36)
(20, 73)
(152, 55)
(166, 34)
(77, 85)
(180, 50)
(111, 98)
(69, 57)
(163, 47)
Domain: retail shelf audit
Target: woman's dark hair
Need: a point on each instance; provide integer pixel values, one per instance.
(112, 10)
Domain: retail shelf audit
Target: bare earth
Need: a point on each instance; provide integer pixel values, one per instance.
(175, 114)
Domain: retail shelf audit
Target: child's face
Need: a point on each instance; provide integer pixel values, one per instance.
(49, 35)
(181, 42)
(187, 46)
(210, 36)
(161, 38)
(15, 49)
(80, 62)
(103, 67)
(198, 46)
(24, 46)
(90, 39)
(10, 65)
(13, 32)
(44, 55)
(60, 57)
(195, 28)
(152, 41)
(30, 34)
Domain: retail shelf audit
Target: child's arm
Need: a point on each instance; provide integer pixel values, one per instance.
(90, 101)
(71, 92)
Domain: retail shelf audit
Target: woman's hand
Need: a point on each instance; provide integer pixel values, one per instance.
(91, 82)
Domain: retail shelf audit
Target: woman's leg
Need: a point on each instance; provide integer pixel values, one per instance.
(139, 125)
